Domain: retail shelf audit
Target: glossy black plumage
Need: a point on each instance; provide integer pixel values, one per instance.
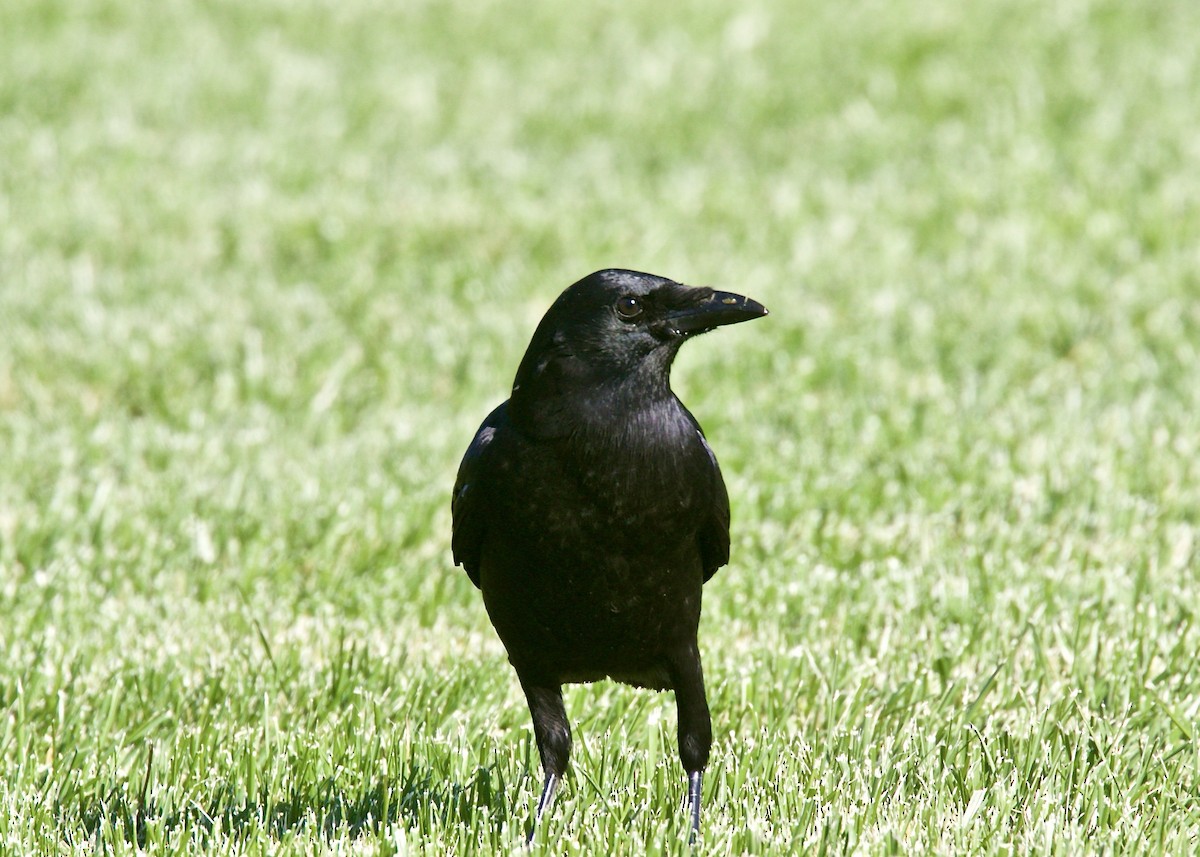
(590, 509)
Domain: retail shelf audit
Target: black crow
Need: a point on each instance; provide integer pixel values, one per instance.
(590, 509)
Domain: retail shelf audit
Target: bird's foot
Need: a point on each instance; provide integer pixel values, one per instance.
(547, 798)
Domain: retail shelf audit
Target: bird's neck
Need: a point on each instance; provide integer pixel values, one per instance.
(562, 402)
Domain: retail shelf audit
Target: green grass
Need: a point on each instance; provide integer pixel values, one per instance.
(265, 266)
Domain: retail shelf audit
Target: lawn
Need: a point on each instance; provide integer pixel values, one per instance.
(265, 266)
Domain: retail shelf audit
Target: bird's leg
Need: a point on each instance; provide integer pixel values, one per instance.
(553, 734)
(694, 779)
(549, 787)
(695, 725)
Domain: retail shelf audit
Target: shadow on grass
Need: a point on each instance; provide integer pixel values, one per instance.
(326, 808)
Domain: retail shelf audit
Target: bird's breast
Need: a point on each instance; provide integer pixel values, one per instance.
(628, 487)
(593, 555)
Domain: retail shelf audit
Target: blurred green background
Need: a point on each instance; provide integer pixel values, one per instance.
(264, 266)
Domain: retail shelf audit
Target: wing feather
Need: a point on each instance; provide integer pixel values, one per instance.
(714, 534)
(472, 494)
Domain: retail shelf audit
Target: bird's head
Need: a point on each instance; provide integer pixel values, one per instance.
(617, 327)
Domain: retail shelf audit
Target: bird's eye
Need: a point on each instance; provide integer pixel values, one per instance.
(629, 308)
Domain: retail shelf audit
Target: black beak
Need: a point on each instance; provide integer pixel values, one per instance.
(715, 310)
